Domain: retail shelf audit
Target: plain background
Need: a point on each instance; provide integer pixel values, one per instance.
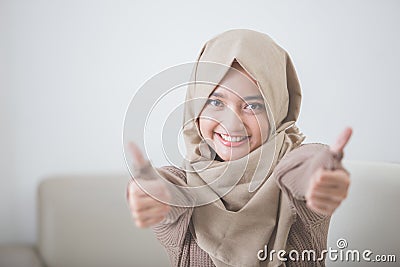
(68, 70)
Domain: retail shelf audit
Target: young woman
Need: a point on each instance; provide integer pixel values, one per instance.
(244, 132)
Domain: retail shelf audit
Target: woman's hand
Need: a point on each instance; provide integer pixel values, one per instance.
(145, 210)
(328, 188)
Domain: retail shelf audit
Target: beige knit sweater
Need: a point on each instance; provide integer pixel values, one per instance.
(309, 231)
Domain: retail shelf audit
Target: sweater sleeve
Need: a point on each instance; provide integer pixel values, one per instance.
(172, 230)
(295, 170)
(176, 211)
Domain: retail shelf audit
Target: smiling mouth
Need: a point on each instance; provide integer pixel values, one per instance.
(232, 140)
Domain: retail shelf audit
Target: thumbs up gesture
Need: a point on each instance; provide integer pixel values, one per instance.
(327, 188)
(145, 209)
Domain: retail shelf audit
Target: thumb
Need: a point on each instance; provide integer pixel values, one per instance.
(139, 160)
(341, 141)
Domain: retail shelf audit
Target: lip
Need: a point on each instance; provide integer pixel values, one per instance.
(230, 144)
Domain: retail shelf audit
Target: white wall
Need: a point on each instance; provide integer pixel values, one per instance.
(68, 70)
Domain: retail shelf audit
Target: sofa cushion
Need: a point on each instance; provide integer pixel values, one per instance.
(85, 221)
(368, 219)
(19, 256)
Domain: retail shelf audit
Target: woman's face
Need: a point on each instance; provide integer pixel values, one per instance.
(234, 120)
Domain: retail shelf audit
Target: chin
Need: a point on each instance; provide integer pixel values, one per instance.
(234, 156)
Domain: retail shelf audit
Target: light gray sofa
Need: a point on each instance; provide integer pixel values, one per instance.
(84, 221)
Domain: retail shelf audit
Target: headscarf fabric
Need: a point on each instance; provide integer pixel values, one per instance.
(253, 213)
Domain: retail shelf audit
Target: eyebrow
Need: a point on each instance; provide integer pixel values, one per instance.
(247, 98)
(254, 97)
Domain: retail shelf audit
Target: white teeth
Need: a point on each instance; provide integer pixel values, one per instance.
(233, 138)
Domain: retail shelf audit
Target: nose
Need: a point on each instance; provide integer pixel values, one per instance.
(232, 122)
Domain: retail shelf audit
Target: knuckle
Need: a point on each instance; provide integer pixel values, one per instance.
(133, 186)
(131, 207)
(135, 205)
(130, 185)
(309, 191)
(320, 179)
(137, 191)
(132, 204)
(323, 178)
(139, 215)
(313, 195)
(335, 201)
(321, 172)
(313, 185)
(140, 224)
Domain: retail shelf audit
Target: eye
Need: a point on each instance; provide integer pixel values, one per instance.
(254, 106)
(215, 102)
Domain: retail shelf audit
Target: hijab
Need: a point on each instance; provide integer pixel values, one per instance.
(246, 210)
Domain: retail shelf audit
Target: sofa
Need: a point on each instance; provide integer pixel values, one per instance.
(84, 221)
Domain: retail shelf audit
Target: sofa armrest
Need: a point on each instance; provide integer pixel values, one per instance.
(19, 256)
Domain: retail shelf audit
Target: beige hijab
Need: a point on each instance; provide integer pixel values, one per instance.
(238, 224)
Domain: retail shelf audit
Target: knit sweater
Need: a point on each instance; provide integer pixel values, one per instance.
(309, 230)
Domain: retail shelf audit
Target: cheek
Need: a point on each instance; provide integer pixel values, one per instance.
(207, 127)
(259, 127)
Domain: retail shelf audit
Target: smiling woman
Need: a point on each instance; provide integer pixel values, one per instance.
(266, 188)
(234, 120)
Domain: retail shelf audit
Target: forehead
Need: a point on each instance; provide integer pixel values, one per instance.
(238, 82)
